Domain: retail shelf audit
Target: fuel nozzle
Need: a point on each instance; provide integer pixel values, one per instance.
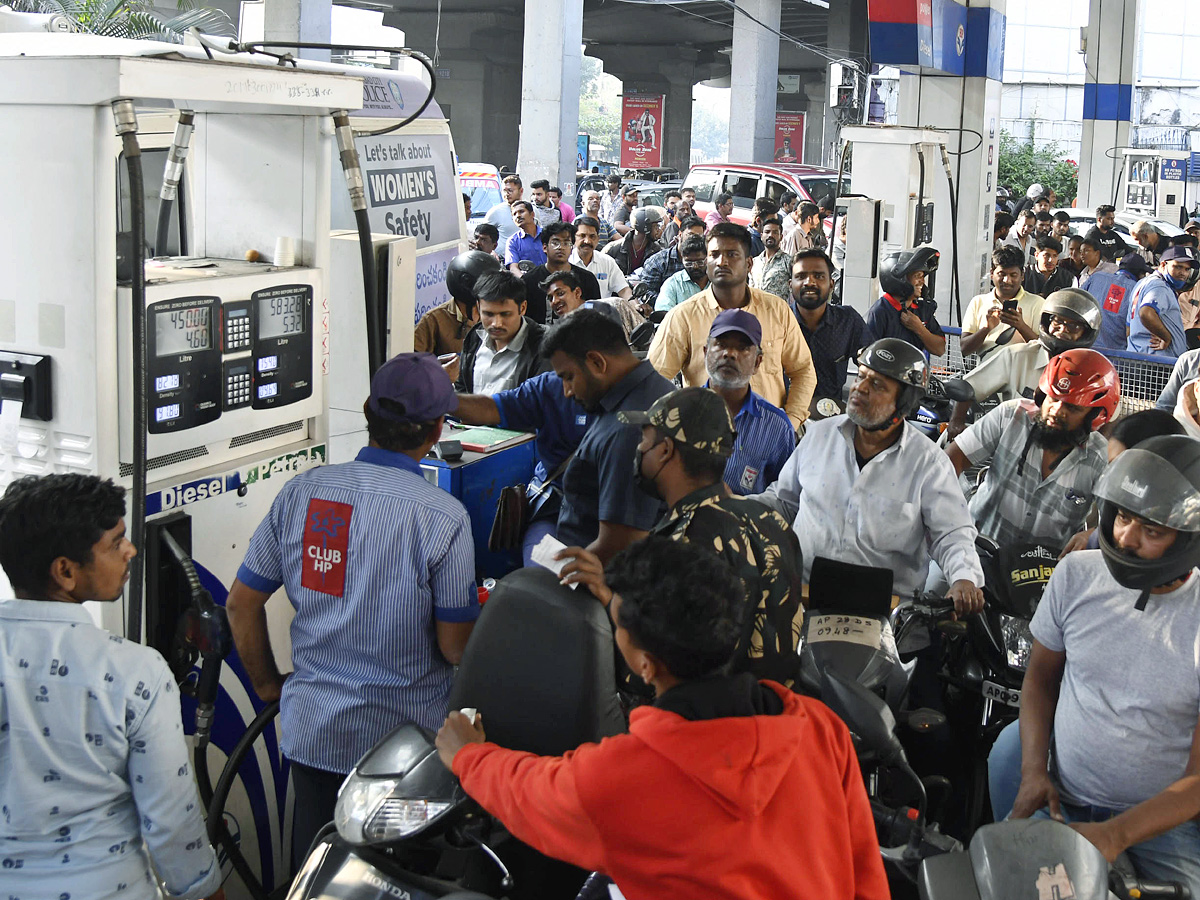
(349, 157)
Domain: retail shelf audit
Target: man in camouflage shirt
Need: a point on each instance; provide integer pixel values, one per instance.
(687, 437)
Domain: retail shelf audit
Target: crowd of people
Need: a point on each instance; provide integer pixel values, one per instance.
(692, 490)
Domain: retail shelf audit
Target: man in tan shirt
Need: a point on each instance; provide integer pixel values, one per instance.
(679, 344)
(803, 236)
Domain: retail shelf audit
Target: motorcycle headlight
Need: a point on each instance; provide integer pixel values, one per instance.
(372, 811)
(1018, 641)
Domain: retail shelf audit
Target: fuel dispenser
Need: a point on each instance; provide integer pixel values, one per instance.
(197, 381)
(903, 199)
(1154, 184)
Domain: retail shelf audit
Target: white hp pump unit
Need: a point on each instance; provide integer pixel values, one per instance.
(1154, 184)
(196, 377)
(903, 199)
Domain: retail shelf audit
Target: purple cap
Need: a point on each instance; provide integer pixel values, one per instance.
(737, 320)
(1177, 252)
(417, 386)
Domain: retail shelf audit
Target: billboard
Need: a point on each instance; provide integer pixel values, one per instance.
(789, 137)
(641, 131)
(583, 153)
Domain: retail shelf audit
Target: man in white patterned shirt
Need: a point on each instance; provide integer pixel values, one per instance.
(96, 790)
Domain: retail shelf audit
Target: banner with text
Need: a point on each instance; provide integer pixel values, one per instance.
(410, 188)
(641, 131)
(789, 137)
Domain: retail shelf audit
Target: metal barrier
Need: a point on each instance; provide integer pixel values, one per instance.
(1142, 377)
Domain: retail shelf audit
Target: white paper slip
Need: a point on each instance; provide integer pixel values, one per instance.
(544, 552)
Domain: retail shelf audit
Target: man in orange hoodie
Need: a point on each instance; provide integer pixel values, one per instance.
(726, 788)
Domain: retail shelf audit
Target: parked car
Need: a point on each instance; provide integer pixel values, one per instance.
(748, 181)
(1082, 221)
(482, 182)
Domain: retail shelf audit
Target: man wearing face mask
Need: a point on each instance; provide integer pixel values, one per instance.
(834, 333)
(868, 488)
(687, 438)
(1043, 495)
(765, 438)
(1113, 675)
(1155, 320)
(691, 280)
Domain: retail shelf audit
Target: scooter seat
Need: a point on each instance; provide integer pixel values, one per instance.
(539, 666)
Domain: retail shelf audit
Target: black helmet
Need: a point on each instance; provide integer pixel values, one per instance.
(895, 268)
(1158, 480)
(902, 362)
(463, 272)
(1069, 303)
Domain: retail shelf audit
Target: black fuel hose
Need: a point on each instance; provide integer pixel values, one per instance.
(214, 799)
(126, 120)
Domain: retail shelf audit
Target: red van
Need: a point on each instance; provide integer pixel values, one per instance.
(749, 181)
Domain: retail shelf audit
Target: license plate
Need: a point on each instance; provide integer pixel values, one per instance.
(1000, 694)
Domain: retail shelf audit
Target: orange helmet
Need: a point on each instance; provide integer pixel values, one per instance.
(1084, 378)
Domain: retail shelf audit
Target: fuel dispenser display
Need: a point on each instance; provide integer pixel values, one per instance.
(1154, 184)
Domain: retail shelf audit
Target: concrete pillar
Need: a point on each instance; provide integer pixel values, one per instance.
(754, 68)
(971, 102)
(550, 92)
(1112, 39)
(677, 128)
(294, 20)
(816, 97)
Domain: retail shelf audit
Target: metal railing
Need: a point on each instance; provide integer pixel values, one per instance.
(1142, 377)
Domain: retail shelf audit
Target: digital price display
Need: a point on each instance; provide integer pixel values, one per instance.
(166, 383)
(166, 413)
(181, 331)
(268, 363)
(268, 390)
(281, 316)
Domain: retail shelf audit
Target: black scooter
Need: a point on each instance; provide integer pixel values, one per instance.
(405, 829)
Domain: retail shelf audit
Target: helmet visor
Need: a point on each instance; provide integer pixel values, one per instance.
(1145, 484)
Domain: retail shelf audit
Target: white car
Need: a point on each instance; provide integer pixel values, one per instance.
(1082, 221)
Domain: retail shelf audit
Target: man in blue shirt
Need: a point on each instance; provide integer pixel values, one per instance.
(95, 779)
(903, 312)
(665, 263)
(524, 250)
(1155, 322)
(1113, 291)
(379, 565)
(834, 334)
(764, 438)
(602, 509)
(538, 405)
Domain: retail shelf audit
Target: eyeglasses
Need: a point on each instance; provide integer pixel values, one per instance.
(1070, 326)
(557, 244)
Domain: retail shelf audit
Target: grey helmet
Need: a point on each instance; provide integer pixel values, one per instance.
(902, 362)
(644, 217)
(1159, 481)
(1069, 303)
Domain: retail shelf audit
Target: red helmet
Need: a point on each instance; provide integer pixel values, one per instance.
(1084, 378)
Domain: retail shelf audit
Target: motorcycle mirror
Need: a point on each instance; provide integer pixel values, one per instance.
(865, 714)
(959, 390)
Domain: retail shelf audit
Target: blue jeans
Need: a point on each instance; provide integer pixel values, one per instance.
(1171, 856)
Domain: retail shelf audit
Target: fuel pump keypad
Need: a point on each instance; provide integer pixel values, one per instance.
(237, 327)
(237, 385)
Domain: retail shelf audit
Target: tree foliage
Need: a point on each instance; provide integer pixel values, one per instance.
(599, 110)
(137, 19)
(1022, 163)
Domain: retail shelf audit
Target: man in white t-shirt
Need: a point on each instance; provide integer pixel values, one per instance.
(1113, 679)
(604, 267)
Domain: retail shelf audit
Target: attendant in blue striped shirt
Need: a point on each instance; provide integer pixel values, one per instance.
(379, 566)
(765, 437)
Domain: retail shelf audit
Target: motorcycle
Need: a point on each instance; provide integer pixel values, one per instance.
(404, 827)
(932, 415)
(1034, 857)
(985, 668)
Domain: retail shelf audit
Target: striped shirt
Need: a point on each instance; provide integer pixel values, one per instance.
(371, 555)
(765, 441)
(1015, 503)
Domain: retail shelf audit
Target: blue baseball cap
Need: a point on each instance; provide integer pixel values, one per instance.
(416, 387)
(737, 320)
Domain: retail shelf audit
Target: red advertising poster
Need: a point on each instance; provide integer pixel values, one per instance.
(641, 131)
(789, 137)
